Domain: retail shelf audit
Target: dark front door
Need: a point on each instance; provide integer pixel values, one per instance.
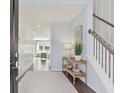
(13, 46)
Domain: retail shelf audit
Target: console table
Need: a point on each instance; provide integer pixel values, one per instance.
(74, 64)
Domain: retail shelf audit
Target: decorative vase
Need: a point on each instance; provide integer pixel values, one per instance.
(77, 57)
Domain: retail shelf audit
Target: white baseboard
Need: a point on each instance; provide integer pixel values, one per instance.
(25, 69)
(106, 82)
(56, 69)
(93, 87)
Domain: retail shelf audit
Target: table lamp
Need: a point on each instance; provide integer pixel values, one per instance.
(68, 46)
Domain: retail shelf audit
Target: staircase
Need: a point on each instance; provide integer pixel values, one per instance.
(101, 44)
(102, 60)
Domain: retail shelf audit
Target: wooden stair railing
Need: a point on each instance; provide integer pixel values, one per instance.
(103, 53)
(103, 20)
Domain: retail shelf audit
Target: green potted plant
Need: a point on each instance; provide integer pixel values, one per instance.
(78, 51)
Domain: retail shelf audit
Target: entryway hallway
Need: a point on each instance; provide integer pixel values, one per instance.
(45, 82)
(51, 82)
(41, 65)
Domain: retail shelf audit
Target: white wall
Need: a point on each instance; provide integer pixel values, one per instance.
(81, 20)
(60, 33)
(105, 10)
(26, 49)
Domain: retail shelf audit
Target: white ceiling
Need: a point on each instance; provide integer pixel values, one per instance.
(43, 13)
(44, 2)
(48, 13)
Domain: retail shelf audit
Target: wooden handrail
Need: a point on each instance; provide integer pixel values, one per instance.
(102, 41)
(103, 20)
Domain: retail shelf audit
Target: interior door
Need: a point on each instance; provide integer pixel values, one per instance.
(13, 46)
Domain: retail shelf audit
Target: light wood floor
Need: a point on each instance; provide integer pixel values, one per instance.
(45, 82)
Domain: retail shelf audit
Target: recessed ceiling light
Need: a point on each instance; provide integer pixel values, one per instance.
(38, 25)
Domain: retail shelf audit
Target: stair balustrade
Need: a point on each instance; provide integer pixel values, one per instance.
(103, 53)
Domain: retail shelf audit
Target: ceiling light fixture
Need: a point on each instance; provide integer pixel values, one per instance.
(38, 25)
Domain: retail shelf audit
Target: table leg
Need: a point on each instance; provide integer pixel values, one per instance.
(66, 73)
(86, 80)
(86, 73)
(74, 80)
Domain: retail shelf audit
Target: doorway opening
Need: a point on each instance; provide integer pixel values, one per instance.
(42, 55)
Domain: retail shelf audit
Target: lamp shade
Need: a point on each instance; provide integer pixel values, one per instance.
(38, 51)
(68, 46)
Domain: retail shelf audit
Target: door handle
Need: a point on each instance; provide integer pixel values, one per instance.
(16, 55)
(14, 67)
